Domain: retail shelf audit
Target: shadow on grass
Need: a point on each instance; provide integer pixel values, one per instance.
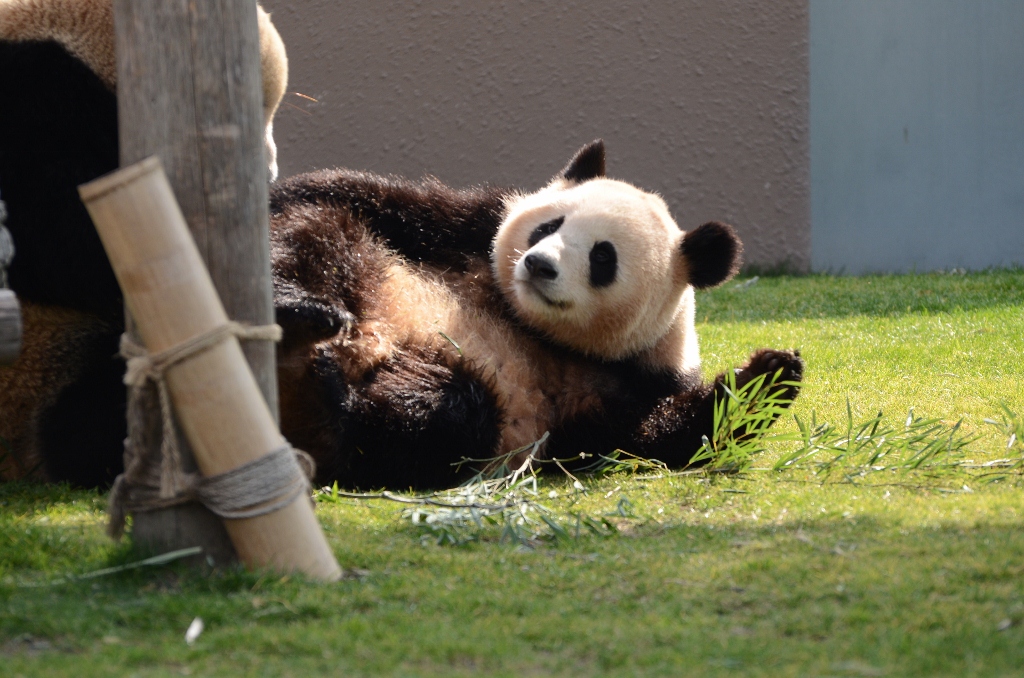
(830, 596)
(863, 594)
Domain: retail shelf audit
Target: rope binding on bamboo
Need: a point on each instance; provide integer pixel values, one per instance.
(257, 488)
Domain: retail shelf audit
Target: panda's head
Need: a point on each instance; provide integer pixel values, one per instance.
(599, 265)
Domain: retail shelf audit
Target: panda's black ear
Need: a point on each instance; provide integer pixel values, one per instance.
(713, 253)
(588, 163)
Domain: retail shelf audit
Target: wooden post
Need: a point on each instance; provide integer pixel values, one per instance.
(189, 91)
(218, 402)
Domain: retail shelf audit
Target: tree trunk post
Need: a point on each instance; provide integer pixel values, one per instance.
(189, 91)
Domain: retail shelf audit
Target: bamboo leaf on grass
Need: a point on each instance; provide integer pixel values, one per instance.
(849, 453)
(154, 561)
(1011, 425)
(503, 501)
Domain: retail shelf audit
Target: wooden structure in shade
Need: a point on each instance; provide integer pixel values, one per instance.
(189, 91)
(10, 311)
(10, 327)
(218, 402)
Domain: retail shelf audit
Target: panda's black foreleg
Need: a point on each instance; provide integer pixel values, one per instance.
(782, 372)
(675, 428)
(786, 367)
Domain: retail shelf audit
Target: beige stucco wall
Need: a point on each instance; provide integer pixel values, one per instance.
(704, 101)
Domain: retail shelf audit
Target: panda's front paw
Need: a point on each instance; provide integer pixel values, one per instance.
(788, 365)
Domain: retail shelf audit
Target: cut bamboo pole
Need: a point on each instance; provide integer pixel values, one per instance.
(218, 402)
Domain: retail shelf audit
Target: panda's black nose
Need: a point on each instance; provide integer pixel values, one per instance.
(540, 266)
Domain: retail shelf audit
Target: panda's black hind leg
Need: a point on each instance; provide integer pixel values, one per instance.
(307, 320)
(418, 417)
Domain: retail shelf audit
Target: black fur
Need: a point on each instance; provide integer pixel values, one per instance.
(58, 129)
(406, 421)
(308, 319)
(544, 230)
(424, 221)
(82, 434)
(661, 415)
(408, 425)
(604, 264)
(588, 163)
(713, 253)
(323, 256)
(629, 393)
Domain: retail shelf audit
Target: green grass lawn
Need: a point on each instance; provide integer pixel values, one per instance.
(878, 573)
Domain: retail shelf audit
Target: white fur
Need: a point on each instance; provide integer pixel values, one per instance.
(646, 312)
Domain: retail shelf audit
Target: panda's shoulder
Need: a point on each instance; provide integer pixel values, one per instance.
(381, 191)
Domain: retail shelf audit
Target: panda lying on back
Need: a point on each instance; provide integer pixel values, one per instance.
(425, 325)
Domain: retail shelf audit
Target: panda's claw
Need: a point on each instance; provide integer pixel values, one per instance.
(308, 319)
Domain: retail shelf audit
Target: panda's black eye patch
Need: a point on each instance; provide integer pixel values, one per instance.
(604, 264)
(544, 230)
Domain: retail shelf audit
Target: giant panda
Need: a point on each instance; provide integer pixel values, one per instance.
(424, 326)
(62, 403)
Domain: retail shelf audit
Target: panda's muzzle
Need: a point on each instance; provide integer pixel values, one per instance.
(540, 267)
(536, 273)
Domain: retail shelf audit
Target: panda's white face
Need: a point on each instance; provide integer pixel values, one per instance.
(594, 265)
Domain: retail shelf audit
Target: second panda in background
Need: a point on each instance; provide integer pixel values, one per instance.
(425, 325)
(62, 403)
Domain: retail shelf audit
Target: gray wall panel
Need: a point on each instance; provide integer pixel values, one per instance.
(917, 134)
(704, 102)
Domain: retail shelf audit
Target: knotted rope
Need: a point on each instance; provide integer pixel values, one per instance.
(259, 487)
